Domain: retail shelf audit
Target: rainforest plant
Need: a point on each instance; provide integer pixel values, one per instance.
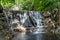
(7, 3)
(39, 5)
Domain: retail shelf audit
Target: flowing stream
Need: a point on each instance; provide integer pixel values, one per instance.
(33, 18)
(38, 18)
(28, 19)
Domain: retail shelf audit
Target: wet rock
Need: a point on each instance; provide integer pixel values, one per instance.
(1, 9)
(15, 26)
(57, 32)
(58, 20)
(28, 29)
(19, 28)
(46, 14)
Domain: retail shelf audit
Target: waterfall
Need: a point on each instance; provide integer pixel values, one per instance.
(23, 18)
(33, 19)
(38, 18)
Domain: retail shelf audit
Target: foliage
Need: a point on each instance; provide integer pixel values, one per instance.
(58, 3)
(40, 5)
(6, 3)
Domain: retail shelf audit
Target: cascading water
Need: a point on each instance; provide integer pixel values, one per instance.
(15, 21)
(34, 17)
(23, 18)
(38, 18)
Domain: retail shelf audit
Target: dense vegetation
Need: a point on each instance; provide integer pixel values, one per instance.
(40, 5)
(7, 3)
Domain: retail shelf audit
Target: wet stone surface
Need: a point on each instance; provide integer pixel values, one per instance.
(32, 36)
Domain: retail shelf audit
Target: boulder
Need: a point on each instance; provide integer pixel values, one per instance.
(46, 14)
(20, 28)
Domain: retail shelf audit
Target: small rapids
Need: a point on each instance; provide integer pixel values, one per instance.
(32, 21)
(29, 19)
